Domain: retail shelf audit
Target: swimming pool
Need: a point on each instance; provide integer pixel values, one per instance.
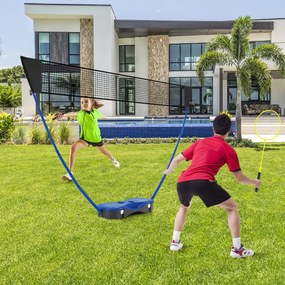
(136, 122)
(155, 128)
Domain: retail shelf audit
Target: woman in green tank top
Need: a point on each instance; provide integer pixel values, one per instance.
(89, 132)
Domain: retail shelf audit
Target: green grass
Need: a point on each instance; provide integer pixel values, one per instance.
(50, 234)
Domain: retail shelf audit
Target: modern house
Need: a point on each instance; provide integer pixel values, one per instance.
(90, 36)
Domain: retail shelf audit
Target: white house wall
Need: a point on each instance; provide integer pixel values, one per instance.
(57, 25)
(28, 103)
(278, 93)
(105, 49)
(141, 57)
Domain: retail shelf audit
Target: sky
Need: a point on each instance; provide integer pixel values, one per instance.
(17, 35)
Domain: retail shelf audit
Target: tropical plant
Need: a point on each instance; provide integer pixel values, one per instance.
(6, 127)
(235, 51)
(12, 75)
(10, 97)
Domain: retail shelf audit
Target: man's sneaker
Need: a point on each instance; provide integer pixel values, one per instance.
(66, 177)
(115, 162)
(175, 245)
(242, 252)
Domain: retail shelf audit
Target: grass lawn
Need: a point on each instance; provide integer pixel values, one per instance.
(50, 234)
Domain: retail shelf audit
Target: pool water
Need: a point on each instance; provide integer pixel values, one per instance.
(155, 121)
(155, 128)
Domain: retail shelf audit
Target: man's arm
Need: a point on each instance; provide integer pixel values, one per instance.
(246, 180)
(176, 161)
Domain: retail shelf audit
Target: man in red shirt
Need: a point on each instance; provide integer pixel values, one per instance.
(208, 156)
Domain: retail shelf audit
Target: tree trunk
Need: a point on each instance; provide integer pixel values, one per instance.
(238, 134)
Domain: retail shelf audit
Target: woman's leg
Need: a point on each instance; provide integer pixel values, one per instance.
(112, 158)
(74, 148)
(105, 151)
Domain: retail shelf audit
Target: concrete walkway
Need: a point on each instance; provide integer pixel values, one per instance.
(248, 131)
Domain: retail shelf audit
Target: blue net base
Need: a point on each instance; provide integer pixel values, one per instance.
(123, 209)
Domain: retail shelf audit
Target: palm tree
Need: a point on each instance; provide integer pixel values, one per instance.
(235, 51)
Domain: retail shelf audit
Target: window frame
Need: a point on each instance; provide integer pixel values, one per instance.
(188, 61)
(124, 65)
(43, 56)
(70, 54)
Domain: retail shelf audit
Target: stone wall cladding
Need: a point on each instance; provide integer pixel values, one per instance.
(86, 57)
(158, 69)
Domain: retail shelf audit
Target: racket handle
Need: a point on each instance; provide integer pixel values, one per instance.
(258, 177)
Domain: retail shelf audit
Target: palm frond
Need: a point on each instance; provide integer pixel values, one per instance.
(260, 70)
(208, 60)
(245, 81)
(271, 52)
(219, 43)
(240, 37)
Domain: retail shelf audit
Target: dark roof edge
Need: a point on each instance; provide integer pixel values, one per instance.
(156, 24)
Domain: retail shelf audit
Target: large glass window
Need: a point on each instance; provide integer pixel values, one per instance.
(254, 95)
(74, 48)
(184, 56)
(44, 50)
(62, 92)
(201, 101)
(127, 96)
(127, 58)
(259, 43)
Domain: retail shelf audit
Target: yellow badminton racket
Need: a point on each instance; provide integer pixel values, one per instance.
(267, 127)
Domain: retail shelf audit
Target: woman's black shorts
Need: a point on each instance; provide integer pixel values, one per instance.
(210, 192)
(100, 143)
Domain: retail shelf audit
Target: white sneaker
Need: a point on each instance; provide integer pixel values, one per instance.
(66, 177)
(175, 245)
(115, 162)
(242, 252)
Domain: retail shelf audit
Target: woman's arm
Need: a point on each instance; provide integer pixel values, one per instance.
(69, 115)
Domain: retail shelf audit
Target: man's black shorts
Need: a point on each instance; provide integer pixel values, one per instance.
(210, 192)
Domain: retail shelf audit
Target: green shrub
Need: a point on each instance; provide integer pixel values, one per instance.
(243, 143)
(21, 135)
(6, 127)
(231, 141)
(36, 136)
(52, 130)
(64, 133)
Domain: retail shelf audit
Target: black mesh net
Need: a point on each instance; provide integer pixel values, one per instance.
(64, 85)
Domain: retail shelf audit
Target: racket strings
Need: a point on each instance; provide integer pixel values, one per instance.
(268, 125)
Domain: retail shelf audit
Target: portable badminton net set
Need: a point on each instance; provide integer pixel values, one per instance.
(267, 127)
(51, 78)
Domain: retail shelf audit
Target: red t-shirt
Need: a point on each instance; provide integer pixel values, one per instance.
(208, 156)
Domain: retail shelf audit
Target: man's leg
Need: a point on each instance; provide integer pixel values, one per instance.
(233, 217)
(238, 250)
(181, 217)
(179, 223)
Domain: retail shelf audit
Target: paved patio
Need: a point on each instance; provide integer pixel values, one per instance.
(248, 131)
